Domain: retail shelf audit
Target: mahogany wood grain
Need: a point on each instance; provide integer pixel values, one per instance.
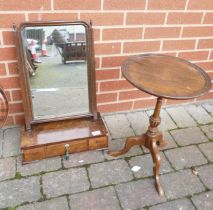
(166, 76)
(33, 154)
(49, 139)
(4, 107)
(96, 143)
(59, 149)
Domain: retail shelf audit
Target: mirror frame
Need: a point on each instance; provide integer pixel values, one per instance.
(24, 75)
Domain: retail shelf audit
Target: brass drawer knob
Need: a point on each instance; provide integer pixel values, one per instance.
(67, 151)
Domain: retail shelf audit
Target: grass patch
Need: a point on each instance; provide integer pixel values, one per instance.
(18, 175)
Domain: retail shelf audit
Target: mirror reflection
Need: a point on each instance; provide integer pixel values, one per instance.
(56, 61)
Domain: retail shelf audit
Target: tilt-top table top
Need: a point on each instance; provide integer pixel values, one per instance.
(166, 76)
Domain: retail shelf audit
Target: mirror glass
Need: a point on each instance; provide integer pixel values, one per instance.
(56, 62)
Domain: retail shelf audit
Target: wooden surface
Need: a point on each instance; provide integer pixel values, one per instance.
(166, 76)
(4, 107)
(49, 139)
(61, 131)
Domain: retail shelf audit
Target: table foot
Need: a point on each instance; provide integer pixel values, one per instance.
(156, 169)
(130, 142)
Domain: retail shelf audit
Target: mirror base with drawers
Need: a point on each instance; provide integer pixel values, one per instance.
(49, 139)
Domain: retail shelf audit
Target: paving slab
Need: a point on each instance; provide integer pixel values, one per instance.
(118, 144)
(139, 121)
(204, 201)
(181, 117)
(205, 174)
(182, 204)
(118, 125)
(199, 114)
(180, 184)
(100, 199)
(189, 136)
(53, 204)
(146, 165)
(108, 173)
(11, 142)
(1, 150)
(138, 194)
(18, 191)
(208, 130)
(208, 107)
(207, 150)
(185, 157)
(83, 158)
(7, 168)
(65, 182)
(170, 143)
(166, 121)
(45, 165)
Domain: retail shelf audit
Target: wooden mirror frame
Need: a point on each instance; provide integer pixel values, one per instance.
(24, 76)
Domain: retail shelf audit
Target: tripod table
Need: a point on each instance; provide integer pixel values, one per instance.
(164, 77)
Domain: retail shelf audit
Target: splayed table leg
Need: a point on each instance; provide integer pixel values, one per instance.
(151, 139)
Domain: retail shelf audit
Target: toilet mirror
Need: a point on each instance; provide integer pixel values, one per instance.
(57, 70)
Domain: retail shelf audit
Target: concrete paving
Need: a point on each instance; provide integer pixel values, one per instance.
(95, 181)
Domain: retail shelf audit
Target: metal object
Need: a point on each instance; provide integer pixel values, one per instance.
(67, 157)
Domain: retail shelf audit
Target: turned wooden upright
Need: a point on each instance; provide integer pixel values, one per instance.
(4, 107)
(164, 77)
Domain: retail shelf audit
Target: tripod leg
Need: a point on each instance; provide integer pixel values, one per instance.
(130, 142)
(156, 159)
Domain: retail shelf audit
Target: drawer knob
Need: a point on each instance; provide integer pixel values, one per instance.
(67, 151)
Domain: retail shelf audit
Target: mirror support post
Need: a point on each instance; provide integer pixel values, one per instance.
(93, 70)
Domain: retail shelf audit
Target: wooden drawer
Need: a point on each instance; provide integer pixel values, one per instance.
(33, 154)
(99, 142)
(78, 146)
(49, 139)
(59, 149)
(55, 150)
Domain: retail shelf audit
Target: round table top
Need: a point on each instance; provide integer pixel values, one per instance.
(166, 76)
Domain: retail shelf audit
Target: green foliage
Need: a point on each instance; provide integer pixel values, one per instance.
(10, 208)
(18, 175)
